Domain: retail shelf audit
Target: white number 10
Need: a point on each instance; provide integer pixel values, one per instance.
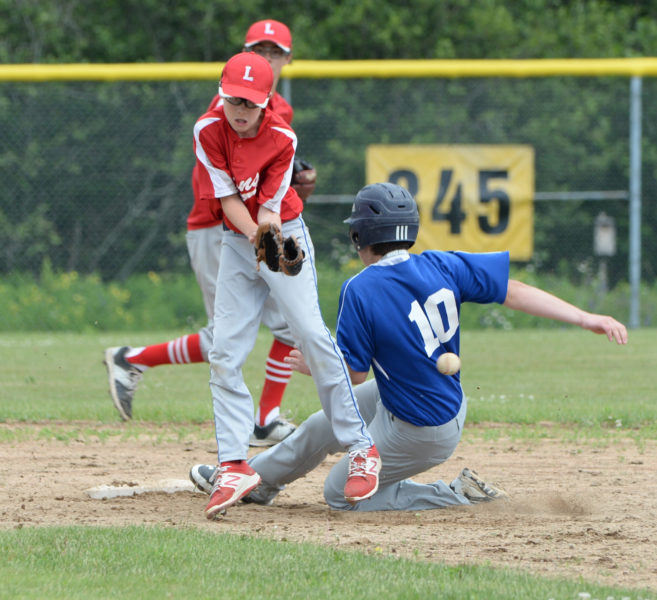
(430, 322)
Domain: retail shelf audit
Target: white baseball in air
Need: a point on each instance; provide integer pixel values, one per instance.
(448, 363)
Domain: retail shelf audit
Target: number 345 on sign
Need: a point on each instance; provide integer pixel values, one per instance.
(477, 198)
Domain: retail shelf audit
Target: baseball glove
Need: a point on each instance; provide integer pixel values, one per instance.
(304, 177)
(292, 256)
(279, 254)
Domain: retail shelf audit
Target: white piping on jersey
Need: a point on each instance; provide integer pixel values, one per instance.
(222, 183)
(391, 258)
(274, 204)
(380, 368)
(346, 287)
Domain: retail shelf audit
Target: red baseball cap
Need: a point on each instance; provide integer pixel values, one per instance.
(269, 31)
(247, 75)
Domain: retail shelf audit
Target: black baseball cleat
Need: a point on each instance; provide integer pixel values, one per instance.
(204, 477)
(475, 489)
(123, 380)
(271, 434)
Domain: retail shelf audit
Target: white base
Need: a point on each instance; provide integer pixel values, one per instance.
(170, 486)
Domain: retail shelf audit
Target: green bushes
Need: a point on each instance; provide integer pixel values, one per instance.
(74, 302)
(147, 302)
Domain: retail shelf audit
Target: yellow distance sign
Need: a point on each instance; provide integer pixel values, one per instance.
(476, 198)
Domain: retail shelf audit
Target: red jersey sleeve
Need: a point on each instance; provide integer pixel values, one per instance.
(205, 212)
(275, 192)
(275, 184)
(214, 177)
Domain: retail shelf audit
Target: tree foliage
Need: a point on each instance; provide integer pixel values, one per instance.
(197, 30)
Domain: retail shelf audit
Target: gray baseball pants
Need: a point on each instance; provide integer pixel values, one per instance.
(405, 450)
(204, 248)
(238, 308)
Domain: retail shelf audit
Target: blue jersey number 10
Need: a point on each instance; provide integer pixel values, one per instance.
(437, 321)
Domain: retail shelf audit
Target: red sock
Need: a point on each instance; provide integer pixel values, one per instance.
(277, 376)
(182, 350)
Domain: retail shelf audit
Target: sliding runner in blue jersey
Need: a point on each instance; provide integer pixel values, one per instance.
(397, 316)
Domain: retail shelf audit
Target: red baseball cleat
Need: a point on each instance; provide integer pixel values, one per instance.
(363, 478)
(235, 480)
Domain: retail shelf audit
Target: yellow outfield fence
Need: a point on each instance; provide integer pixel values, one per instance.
(314, 69)
(95, 159)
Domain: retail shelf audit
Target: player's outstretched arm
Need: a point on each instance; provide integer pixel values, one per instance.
(537, 302)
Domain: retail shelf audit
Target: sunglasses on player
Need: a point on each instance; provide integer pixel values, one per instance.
(265, 51)
(237, 101)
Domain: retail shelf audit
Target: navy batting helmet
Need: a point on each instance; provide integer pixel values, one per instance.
(383, 212)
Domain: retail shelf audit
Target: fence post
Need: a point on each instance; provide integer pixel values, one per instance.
(286, 89)
(635, 200)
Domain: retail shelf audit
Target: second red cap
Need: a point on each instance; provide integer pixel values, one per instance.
(269, 31)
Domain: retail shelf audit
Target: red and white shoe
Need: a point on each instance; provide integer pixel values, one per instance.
(235, 480)
(363, 478)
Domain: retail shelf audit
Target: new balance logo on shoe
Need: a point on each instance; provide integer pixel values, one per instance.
(234, 481)
(231, 480)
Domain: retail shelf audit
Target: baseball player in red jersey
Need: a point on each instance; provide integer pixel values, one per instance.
(245, 153)
(125, 365)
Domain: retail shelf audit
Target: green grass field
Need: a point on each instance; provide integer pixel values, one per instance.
(582, 385)
(568, 376)
(137, 562)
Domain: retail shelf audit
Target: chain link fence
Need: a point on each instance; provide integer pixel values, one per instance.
(96, 175)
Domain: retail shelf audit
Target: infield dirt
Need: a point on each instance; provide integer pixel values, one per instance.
(576, 511)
